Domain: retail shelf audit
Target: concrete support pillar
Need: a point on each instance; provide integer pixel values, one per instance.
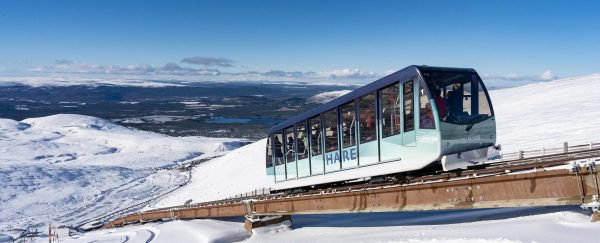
(260, 221)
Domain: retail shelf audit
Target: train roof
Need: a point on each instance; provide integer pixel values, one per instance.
(401, 75)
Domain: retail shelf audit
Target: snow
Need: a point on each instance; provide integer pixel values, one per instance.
(76, 139)
(528, 117)
(177, 231)
(68, 169)
(240, 171)
(460, 226)
(72, 81)
(547, 114)
(486, 226)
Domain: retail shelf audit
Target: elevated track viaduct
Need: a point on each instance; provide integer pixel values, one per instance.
(569, 177)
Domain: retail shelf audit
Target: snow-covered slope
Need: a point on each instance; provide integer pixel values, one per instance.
(548, 114)
(528, 117)
(240, 171)
(477, 226)
(76, 139)
(66, 169)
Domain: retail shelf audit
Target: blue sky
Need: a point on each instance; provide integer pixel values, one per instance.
(205, 40)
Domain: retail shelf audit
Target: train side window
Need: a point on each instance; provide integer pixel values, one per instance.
(390, 110)
(348, 125)
(290, 150)
(278, 152)
(409, 123)
(315, 136)
(426, 115)
(366, 106)
(331, 138)
(301, 140)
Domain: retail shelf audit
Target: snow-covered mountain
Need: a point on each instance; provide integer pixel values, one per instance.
(528, 117)
(66, 169)
(73, 81)
(75, 139)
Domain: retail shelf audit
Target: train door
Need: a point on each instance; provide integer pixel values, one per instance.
(316, 145)
(368, 148)
(409, 96)
(302, 149)
(332, 153)
(389, 113)
(349, 128)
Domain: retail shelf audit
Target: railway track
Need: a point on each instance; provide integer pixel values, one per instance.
(544, 179)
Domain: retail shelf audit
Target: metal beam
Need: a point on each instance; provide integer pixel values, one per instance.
(545, 188)
(534, 188)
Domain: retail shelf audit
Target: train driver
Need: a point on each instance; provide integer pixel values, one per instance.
(455, 103)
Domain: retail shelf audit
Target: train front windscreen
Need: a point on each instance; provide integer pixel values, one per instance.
(460, 97)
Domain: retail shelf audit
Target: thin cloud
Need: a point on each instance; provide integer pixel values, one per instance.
(67, 66)
(347, 73)
(174, 70)
(293, 74)
(209, 61)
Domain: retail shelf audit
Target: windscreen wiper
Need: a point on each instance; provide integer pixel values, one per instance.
(473, 120)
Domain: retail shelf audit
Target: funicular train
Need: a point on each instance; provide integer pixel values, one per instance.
(417, 118)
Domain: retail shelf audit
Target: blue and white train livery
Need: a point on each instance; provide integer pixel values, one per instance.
(415, 118)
